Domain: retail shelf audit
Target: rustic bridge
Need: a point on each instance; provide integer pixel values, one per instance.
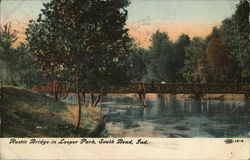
(199, 89)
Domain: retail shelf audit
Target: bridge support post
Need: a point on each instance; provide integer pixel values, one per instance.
(55, 96)
(91, 96)
(83, 97)
(202, 102)
(142, 98)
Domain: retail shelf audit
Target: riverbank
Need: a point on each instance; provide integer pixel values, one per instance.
(29, 114)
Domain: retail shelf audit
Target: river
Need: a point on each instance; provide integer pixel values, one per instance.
(172, 117)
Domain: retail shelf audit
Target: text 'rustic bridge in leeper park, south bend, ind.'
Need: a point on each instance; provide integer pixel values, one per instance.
(198, 89)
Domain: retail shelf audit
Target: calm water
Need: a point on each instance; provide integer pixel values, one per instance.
(173, 117)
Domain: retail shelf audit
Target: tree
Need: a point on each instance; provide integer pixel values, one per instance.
(161, 57)
(138, 63)
(218, 59)
(235, 31)
(82, 41)
(194, 53)
(25, 69)
(7, 39)
(179, 56)
(20, 69)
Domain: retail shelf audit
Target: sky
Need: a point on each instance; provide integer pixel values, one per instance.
(192, 17)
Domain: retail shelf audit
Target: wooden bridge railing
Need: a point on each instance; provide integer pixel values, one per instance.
(184, 88)
(173, 88)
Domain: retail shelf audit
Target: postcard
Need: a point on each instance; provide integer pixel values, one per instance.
(125, 79)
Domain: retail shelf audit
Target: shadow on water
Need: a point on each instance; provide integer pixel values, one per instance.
(175, 117)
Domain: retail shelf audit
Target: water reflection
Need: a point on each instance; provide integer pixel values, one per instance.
(175, 117)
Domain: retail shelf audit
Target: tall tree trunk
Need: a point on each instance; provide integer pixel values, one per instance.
(55, 97)
(97, 100)
(28, 84)
(91, 95)
(78, 100)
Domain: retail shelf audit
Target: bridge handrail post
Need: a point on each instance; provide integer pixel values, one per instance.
(55, 98)
(83, 96)
(143, 88)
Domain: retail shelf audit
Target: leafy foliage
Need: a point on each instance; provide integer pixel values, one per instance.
(19, 69)
(25, 67)
(236, 31)
(219, 61)
(138, 63)
(161, 57)
(7, 39)
(194, 53)
(179, 51)
(84, 39)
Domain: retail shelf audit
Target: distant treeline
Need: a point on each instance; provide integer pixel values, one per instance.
(223, 56)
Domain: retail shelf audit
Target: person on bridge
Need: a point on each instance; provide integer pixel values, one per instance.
(163, 82)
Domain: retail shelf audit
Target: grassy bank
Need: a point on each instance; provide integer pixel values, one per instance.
(28, 114)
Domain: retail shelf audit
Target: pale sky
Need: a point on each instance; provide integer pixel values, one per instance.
(193, 17)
